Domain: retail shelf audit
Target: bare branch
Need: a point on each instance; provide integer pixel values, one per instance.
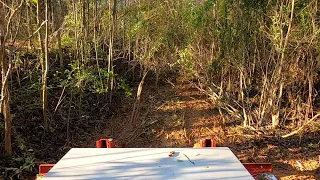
(303, 126)
(13, 12)
(35, 32)
(6, 5)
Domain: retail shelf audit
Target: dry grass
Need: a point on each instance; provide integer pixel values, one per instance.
(178, 116)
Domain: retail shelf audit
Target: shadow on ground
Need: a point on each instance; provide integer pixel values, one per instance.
(179, 116)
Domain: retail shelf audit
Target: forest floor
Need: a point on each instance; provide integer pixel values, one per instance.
(178, 115)
(172, 115)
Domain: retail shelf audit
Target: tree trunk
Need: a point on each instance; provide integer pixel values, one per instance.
(60, 48)
(5, 93)
(112, 30)
(137, 104)
(96, 41)
(75, 18)
(29, 24)
(57, 20)
(84, 31)
(45, 72)
(44, 61)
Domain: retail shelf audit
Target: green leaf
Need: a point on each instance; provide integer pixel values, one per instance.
(35, 1)
(18, 159)
(12, 169)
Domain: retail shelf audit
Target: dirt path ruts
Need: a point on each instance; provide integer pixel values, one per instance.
(179, 115)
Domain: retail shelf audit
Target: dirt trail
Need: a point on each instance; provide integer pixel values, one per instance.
(179, 115)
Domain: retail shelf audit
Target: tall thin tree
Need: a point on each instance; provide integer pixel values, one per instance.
(5, 93)
(43, 58)
(112, 32)
(45, 70)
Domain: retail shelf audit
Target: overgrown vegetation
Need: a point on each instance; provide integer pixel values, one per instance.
(64, 61)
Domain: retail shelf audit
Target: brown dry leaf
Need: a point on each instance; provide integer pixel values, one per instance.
(171, 153)
(270, 146)
(299, 165)
(294, 149)
(197, 145)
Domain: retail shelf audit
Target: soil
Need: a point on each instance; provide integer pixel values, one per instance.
(179, 115)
